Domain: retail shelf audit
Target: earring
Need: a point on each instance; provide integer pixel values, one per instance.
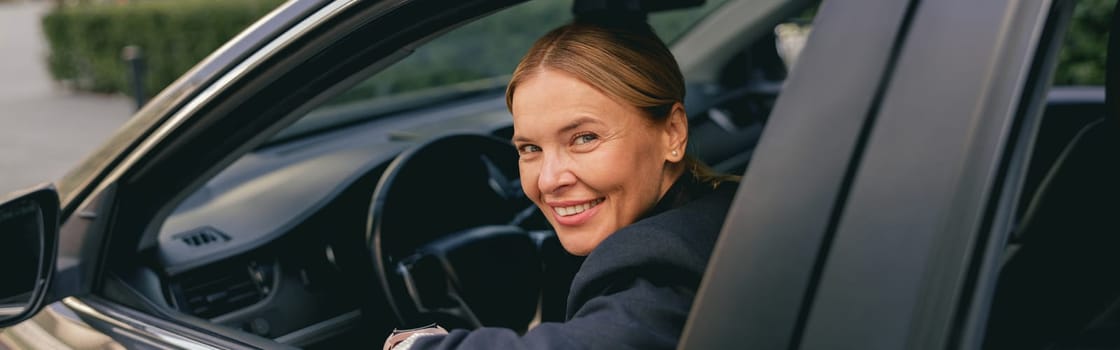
(674, 153)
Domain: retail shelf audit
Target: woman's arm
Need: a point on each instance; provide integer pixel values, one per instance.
(640, 315)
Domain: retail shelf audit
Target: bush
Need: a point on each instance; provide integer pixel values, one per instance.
(86, 39)
(1082, 58)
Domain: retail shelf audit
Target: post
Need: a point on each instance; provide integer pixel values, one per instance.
(133, 56)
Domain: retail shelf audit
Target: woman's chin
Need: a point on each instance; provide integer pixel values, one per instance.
(577, 249)
(579, 242)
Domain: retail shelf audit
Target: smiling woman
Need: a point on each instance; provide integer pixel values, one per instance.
(567, 132)
(601, 130)
(576, 108)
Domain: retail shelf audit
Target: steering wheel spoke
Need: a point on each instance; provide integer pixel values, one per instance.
(433, 291)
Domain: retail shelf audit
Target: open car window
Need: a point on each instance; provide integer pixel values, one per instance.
(455, 83)
(292, 210)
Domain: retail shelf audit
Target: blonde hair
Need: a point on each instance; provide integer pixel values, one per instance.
(624, 60)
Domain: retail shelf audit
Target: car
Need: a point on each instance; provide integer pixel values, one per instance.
(911, 179)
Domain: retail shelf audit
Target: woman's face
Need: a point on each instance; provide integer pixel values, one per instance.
(592, 164)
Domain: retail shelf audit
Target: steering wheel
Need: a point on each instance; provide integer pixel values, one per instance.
(443, 236)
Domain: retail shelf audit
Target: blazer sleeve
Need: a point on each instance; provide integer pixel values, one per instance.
(640, 315)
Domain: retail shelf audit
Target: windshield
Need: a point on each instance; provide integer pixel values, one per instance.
(472, 60)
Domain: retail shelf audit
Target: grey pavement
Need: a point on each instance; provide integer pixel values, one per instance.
(44, 129)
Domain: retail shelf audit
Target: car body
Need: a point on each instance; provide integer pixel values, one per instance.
(873, 214)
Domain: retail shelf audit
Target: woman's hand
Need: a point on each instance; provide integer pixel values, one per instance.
(403, 339)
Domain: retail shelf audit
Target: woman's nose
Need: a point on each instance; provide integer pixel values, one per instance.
(556, 174)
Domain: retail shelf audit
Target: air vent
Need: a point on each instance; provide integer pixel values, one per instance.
(201, 236)
(221, 291)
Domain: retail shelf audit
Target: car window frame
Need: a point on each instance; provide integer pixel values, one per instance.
(944, 201)
(757, 284)
(944, 305)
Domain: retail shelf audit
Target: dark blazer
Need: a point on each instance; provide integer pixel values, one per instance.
(635, 289)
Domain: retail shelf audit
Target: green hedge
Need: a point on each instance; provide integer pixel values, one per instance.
(1081, 60)
(86, 40)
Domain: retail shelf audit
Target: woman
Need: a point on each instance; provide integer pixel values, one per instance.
(601, 132)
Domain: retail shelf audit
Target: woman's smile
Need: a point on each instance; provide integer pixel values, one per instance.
(571, 213)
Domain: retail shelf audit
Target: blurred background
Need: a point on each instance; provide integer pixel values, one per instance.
(75, 70)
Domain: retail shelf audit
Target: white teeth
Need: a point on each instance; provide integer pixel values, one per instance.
(576, 209)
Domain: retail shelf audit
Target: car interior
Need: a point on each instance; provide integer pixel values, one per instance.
(372, 212)
(1054, 289)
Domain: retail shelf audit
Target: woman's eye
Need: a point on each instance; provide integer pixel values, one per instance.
(528, 149)
(585, 138)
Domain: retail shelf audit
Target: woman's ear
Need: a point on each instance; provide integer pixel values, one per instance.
(676, 133)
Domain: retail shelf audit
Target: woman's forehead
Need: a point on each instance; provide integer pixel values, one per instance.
(556, 103)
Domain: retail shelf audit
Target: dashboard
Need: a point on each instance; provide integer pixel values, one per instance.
(271, 244)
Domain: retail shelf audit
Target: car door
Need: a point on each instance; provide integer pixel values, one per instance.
(876, 208)
(247, 91)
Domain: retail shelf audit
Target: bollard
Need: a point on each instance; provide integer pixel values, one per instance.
(135, 60)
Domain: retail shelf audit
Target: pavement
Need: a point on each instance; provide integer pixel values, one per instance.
(44, 128)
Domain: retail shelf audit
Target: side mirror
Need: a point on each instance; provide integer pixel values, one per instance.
(28, 248)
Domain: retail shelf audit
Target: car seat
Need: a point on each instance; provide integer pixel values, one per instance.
(1060, 286)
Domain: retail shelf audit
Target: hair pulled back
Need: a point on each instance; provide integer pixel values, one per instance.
(625, 61)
